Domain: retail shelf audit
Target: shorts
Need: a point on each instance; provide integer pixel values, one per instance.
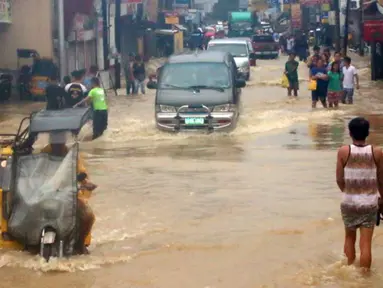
(100, 122)
(356, 219)
(348, 95)
(333, 96)
(318, 95)
(294, 85)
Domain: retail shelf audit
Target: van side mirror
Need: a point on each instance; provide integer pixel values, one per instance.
(152, 85)
(240, 83)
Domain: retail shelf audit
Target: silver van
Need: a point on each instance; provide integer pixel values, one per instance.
(198, 91)
(240, 48)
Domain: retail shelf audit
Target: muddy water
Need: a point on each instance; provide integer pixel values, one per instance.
(254, 208)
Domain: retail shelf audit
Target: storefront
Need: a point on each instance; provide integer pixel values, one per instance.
(373, 34)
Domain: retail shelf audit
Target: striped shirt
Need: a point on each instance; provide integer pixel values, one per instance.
(361, 181)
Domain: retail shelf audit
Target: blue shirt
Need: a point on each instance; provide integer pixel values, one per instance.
(321, 84)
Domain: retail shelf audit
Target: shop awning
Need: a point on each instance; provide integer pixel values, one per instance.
(180, 27)
(166, 31)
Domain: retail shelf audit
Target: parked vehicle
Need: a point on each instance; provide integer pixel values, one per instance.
(241, 24)
(199, 91)
(265, 46)
(39, 193)
(242, 51)
(5, 86)
(40, 72)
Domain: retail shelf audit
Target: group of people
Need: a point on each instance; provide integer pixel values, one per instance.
(332, 78)
(295, 44)
(79, 91)
(135, 74)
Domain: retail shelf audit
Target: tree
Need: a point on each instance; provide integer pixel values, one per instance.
(222, 8)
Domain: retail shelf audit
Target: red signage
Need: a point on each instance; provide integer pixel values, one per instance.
(373, 30)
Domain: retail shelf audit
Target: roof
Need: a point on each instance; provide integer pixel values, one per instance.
(71, 119)
(204, 56)
(229, 41)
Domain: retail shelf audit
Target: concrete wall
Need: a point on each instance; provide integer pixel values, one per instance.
(31, 28)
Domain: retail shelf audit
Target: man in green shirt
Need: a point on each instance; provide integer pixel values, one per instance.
(100, 108)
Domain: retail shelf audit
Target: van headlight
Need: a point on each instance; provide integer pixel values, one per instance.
(224, 108)
(242, 69)
(167, 109)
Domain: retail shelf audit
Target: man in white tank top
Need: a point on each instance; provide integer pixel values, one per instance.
(359, 176)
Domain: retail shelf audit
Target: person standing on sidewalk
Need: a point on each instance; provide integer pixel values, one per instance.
(128, 72)
(359, 176)
(350, 78)
(139, 75)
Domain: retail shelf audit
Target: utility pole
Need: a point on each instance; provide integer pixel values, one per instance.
(361, 29)
(117, 36)
(105, 38)
(345, 40)
(61, 27)
(337, 25)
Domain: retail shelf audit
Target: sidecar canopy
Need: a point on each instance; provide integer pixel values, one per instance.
(70, 119)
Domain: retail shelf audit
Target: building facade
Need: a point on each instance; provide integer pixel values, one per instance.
(33, 24)
(19, 31)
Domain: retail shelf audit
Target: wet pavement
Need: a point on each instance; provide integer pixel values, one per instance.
(258, 207)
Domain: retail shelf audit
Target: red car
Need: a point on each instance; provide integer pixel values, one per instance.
(265, 46)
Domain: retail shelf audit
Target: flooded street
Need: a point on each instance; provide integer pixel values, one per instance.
(258, 207)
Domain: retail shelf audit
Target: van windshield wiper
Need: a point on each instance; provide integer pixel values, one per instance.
(197, 87)
(174, 86)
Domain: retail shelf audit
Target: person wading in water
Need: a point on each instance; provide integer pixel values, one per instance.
(291, 71)
(359, 176)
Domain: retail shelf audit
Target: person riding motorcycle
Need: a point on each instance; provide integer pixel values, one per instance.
(86, 217)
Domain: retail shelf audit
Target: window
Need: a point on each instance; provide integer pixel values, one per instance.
(184, 75)
(237, 50)
(250, 47)
(237, 26)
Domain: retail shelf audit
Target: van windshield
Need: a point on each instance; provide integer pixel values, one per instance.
(185, 75)
(237, 50)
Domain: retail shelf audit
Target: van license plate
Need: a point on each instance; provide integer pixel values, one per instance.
(194, 121)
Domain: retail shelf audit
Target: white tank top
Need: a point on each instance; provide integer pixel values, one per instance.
(361, 181)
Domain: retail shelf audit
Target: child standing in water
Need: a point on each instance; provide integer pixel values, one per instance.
(334, 92)
(291, 71)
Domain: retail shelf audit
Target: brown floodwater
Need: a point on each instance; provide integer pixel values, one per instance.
(258, 207)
